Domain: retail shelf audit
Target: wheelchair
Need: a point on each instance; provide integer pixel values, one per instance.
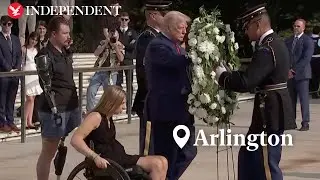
(87, 169)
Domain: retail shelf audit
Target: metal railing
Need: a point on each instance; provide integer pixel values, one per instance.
(80, 72)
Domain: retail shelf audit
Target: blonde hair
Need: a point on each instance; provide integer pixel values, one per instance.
(110, 100)
(173, 18)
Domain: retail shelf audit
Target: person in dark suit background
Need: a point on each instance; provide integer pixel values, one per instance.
(315, 63)
(127, 36)
(154, 15)
(10, 60)
(301, 48)
(168, 80)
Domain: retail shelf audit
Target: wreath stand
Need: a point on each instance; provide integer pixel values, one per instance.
(229, 149)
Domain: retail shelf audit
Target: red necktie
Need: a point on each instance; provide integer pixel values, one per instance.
(178, 48)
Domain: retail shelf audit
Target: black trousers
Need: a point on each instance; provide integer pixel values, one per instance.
(261, 163)
(8, 93)
(146, 146)
(165, 145)
(315, 81)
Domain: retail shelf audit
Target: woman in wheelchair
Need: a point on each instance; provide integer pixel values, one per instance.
(98, 127)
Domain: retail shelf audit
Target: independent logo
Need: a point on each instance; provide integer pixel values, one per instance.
(15, 10)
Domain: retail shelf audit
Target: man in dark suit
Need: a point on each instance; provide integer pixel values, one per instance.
(154, 15)
(10, 60)
(301, 48)
(272, 113)
(168, 76)
(127, 36)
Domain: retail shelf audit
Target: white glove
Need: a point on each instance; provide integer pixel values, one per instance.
(219, 70)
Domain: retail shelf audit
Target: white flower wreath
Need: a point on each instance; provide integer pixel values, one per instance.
(211, 42)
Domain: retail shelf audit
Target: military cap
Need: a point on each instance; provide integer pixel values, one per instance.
(158, 5)
(252, 12)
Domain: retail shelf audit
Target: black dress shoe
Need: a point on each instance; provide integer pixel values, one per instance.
(304, 127)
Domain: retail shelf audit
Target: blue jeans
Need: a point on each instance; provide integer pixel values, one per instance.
(98, 79)
(49, 129)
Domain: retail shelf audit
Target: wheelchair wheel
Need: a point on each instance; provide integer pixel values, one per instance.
(87, 171)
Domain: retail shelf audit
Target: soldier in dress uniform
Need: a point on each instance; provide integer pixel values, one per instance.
(168, 76)
(154, 14)
(272, 113)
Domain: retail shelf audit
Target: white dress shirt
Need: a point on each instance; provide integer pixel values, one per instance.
(124, 29)
(6, 34)
(265, 35)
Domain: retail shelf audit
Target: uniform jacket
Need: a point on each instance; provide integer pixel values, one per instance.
(270, 65)
(301, 56)
(168, 74)
(10, 59)
(140, 50)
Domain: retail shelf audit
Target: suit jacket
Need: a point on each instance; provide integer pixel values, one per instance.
(10, 59)
(168, 81)
(128, 39)
(301, 56)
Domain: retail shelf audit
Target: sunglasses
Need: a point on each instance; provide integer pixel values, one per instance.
(7, 24)
(124, 19)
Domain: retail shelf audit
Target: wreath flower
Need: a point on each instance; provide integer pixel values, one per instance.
(211, 42)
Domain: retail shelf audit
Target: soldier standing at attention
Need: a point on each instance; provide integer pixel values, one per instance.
(273, 112)
(154, 14)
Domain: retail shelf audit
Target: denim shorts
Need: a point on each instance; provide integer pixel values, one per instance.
(49, 129)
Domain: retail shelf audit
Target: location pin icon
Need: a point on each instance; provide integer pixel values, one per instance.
(181, 141)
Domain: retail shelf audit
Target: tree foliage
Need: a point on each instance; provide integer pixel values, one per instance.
(282, 14)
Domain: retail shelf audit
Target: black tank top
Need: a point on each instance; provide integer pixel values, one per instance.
(104, 139)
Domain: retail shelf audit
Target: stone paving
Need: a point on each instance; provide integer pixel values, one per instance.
(300, 162)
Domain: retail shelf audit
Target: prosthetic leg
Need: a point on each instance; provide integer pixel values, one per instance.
(44, 70)
(60, 158)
